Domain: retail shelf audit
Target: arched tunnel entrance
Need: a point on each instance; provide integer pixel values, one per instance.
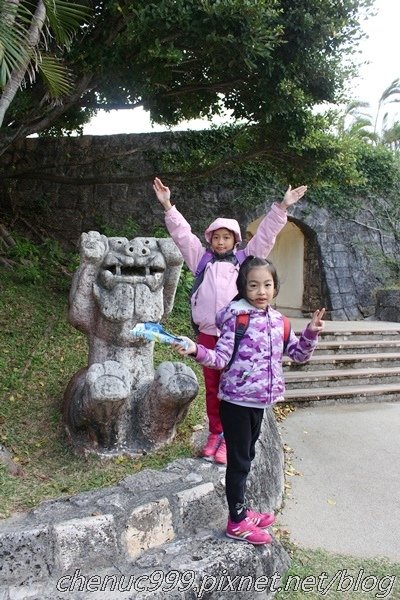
(297, 259)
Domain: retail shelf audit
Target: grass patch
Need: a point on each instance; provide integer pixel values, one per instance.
(316, 574)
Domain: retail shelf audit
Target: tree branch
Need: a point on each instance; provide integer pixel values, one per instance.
(373, 229)
(45, 121)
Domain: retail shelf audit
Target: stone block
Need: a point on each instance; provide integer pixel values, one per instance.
(340, 259)
(336, 301)
(198, 506)
(388, 305)
(148, 480)
(148, 526)
(30, 592)
(26, 554)
(91, 540)
(346, 284)
(339, 315)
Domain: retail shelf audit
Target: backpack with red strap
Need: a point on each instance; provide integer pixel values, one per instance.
(241, 324)
(235, 258)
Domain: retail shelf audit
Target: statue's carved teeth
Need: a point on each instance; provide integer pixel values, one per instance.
(117, 269)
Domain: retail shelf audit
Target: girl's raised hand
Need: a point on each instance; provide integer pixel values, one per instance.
(292, 196)
(163, 193)
(317, 324)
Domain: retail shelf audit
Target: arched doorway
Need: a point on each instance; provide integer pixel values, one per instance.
(288, 258)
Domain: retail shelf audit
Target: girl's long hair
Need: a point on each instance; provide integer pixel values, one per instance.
(250, 263)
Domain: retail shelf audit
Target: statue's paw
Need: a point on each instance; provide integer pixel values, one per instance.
(177, 381)
(93, 246)
(108, 381)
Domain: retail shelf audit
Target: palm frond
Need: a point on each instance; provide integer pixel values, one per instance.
(64, 18)
(13, 48)
(392, 89)
(57, 77)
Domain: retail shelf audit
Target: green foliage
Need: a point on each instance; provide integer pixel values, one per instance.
(265, 62)
(37, 263)
(181, 303)
(160, 232)
(340, 171)
(129, 230)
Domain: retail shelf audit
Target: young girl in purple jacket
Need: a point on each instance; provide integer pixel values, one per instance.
(218, 286)
(251, 382)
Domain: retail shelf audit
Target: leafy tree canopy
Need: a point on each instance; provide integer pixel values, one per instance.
(266, 61)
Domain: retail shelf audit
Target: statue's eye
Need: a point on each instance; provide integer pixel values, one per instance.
(147, 242)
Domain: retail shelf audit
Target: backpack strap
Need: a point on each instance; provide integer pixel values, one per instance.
(203, 262)
(241, 256)
(241, 324)
(286, 331)
(208, 256)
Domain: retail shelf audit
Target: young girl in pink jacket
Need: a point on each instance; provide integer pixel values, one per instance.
(218, 285)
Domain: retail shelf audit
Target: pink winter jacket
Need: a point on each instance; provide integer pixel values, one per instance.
(219, 283)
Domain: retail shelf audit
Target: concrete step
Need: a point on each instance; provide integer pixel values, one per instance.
(357, 346)
(338, 361)
(353, 330)
(351, 393)
(355, 361)
(362, 336)
(336, 377)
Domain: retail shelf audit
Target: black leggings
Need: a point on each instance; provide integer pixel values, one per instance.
(241, 426)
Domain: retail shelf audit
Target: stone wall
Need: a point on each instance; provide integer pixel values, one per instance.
(339, 273)
(152, 523)
(388, 305)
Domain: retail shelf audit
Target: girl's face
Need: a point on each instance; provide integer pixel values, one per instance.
(260, 287)
(222, 240)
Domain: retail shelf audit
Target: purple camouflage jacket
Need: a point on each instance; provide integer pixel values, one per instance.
(255, 377)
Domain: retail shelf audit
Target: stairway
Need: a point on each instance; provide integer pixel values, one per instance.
(355, 361)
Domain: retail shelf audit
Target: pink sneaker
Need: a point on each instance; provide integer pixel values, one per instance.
(213, 441)
(220, 455)
(246, 531)
(260, 519)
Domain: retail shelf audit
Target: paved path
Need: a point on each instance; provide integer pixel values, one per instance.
(347, 498)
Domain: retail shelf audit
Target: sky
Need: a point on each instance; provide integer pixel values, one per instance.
(380, 52)
(380, 55)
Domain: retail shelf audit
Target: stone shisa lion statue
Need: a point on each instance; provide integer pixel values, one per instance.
(119, 403)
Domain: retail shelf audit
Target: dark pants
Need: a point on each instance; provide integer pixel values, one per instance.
(242, 427)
